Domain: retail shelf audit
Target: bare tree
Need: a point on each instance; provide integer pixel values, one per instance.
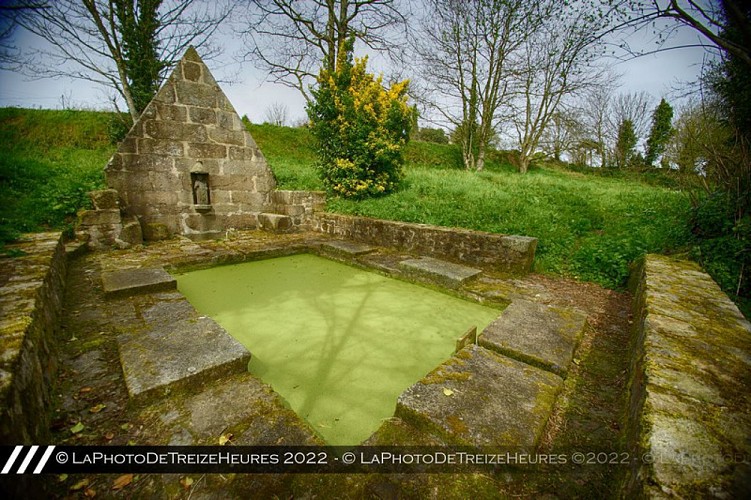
(466, 50)
(9, 13)
(556, 62)
(85, 39)
(563, 133)
(705, 17)
(595, 110)
(276, 114)
(293, 39)
(635, 107)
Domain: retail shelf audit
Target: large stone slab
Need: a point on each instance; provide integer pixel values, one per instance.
(349, 248)
(177, 350)
(444, 273)
(480, 398)
(544, 336)
(134, 281)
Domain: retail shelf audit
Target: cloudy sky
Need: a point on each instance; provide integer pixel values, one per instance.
(659, 75)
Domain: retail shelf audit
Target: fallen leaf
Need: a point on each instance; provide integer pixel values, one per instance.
(89, 492)
(85, 389)
(126, 426)
(186, 482)
(62, 478)
(109, 436)
(225, 438)
(97, 408)
(122, 481)
(448, 392)
(80, 484)
(77, 428)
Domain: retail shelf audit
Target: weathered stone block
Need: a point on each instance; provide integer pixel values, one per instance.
(204, 116)
(203, 150)
(134, 281)
(224, 136)
(98, 217)
(242, 153)
(191, 71)
(196, 94)
(274, 222)
(349, 248)
(190, 132)
(541, 335)
(446, 273)
(144, 163)
(155, 231)
(104, 199)
(131, 232)
(171, 112)
(166, 94)
(479, 398)
(160, 147)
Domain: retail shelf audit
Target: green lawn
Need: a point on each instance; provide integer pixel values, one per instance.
(589, 225)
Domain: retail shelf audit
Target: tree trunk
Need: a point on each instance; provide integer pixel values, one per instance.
(480, 159)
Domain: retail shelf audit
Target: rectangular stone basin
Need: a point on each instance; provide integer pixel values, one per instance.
(340, 344)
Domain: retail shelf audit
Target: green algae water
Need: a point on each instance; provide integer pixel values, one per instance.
(338, 343)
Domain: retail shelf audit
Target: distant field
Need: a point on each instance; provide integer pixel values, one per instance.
(590, 225)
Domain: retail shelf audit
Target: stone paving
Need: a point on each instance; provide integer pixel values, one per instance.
(503, 401)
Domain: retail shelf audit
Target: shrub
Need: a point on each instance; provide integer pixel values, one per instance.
(360, 128)
(427, 134)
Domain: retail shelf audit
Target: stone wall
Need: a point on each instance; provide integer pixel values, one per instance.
(513, 254)
(104, 227)
(299, 206)
(188, 166)
(690, 401)
(31, 298)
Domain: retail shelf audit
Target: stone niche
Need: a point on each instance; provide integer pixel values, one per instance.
(188, 166)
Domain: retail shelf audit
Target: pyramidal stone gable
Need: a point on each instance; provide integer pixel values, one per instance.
(188, 166)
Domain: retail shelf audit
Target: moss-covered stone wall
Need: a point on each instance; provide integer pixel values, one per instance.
(690, 399)
(31, 300)
(514, 254)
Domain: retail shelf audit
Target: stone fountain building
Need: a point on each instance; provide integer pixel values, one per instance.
(188, 166)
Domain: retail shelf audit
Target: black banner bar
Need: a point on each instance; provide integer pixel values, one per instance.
(51, 459)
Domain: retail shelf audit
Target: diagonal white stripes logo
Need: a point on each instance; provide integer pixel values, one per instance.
(7, 468)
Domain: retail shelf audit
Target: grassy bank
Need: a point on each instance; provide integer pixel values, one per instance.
(49, 160)
(589, 225)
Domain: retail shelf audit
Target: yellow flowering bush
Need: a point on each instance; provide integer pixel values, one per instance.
(361, 129)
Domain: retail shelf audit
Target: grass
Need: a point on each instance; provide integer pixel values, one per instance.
(49, 160)
(590, 223)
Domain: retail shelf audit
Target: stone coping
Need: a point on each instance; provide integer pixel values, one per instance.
(541, 335)
(31, 294)
(690, 396)
(480, 398)
(506, 253)
(448, 274)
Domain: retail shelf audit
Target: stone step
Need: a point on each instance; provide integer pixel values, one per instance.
(541, 335)
(444, 273)
(480, 398)
(348, 248)
(176, 348)
(275, 222)
(127, 282)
